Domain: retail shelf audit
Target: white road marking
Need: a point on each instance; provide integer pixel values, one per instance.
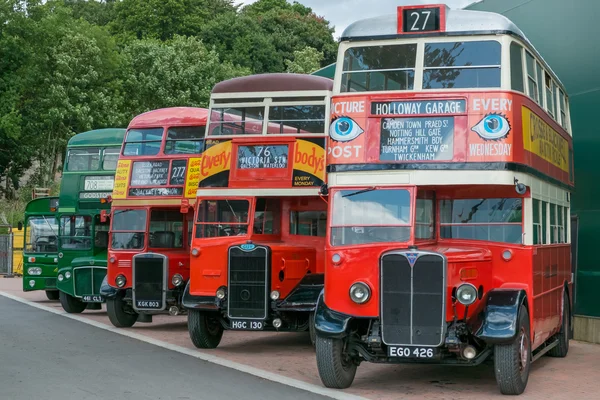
(334, 394)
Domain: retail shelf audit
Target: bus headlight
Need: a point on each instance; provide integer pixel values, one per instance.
(360, 293)
(177, 280)
(195, 252)
(34, 271)
(120, 280)
(221, 293)
(466, 294)
(32, 283)
(61, 277)
(67, 275)
(275, 295)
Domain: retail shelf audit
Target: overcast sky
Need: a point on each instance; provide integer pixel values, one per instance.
(342, 13)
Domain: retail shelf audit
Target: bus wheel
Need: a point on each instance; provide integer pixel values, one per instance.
(512, 361)
(205, 329)
(562, 348)
(52, 294)
(336, 367)
(118, 316)
(311, 328)
(71, 304)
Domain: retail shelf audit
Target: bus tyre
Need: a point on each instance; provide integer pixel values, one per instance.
(71, 304)
(562, 348)
(336, 367)
(52, 294)
(311, 328)
(512, 361)
(205, 329)
(118, 316)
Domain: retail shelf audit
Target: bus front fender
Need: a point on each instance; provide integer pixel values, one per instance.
(330, 323)
(192, 302)
(501, 315)
(106, 290)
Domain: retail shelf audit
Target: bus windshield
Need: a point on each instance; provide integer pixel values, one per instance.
(217, 218)
(41, 235)
(370, 216)
(128, 229)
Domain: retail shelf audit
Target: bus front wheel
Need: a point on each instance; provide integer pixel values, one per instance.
(205, 329)
(71, 304)
(52, 294)
(512, 361)
(118, 314)
(336, 367)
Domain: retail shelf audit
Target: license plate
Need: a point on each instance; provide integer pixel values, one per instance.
(93, 299)
(147, 304)
(413, 352)
(247, 325)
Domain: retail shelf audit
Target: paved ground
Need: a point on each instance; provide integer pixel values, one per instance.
(290, 355)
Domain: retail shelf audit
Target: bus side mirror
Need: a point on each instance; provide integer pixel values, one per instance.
(104, 215)
(20, 226)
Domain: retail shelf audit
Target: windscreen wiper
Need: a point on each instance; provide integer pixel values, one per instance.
(359, 192)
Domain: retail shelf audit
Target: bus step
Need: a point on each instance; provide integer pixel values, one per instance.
(546, 349)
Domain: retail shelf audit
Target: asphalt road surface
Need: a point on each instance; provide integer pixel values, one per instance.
(44, 356)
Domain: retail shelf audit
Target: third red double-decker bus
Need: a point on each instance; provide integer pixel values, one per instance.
(151, 216)
(450, 173)
(258, 247)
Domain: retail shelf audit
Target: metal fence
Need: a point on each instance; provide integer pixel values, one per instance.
(6, 250)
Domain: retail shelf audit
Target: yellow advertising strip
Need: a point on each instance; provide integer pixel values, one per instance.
(542, 140)
(193, 177)
(215, 159)
(310, 158)
(121, 179)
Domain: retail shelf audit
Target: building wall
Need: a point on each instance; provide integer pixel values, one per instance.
(565, 33)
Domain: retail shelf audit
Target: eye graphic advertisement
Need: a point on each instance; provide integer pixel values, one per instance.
(492, 127)
(344, 129)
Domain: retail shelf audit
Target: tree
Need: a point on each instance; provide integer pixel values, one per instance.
(180, 72)
(305, 61)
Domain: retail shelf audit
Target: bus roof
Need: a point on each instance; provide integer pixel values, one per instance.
(276, 82)
(458, 22)
(172, 116)
(98, 137)
(41, 205)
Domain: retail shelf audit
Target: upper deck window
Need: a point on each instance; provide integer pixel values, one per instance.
(379, 68)
(185, 140)
(459, 65)
(516, 67)
(237, 121)
(550, 96)
(110, 158)
(563, 109)
(297, 119)
(143, 142)
(87, 159)
(495, 220)
(370, 216)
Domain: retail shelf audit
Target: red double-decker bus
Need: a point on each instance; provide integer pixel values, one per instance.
(151, 216)
(450, 172)
(258, 248)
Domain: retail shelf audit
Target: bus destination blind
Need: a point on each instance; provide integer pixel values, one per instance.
(268, 157)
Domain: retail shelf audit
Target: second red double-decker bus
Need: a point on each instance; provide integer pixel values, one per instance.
(450, 173)
(151, 216)
(258, 249)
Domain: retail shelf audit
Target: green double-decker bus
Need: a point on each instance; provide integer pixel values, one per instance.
(40, 250)
(87, 182)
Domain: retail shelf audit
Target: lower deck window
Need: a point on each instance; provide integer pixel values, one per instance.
(308, 223)
(494, 220)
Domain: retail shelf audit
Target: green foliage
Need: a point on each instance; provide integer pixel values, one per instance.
(67, 66)
(305, 61)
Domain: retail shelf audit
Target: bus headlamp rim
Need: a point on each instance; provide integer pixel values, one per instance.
(462, 288)
(121, 280)
(353, 292)
(177, 280)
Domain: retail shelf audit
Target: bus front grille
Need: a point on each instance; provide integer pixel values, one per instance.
(87, 280)
(413, 286)
(149, 272)
(248, 282)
